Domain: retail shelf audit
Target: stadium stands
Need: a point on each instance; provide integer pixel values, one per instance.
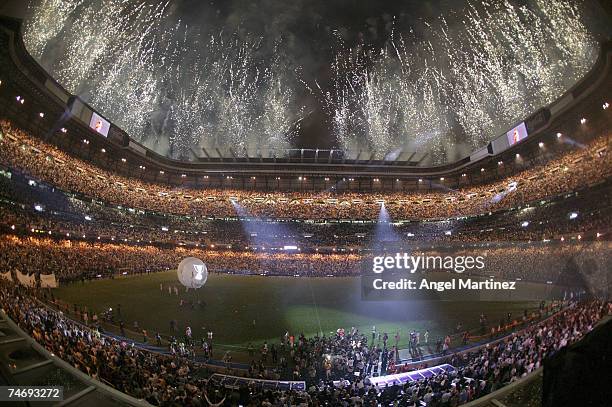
(79, 214)
(165, 380)
(570, 172)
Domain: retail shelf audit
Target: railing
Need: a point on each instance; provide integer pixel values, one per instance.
(106, 395)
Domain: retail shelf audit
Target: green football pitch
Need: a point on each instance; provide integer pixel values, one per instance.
(252, 309)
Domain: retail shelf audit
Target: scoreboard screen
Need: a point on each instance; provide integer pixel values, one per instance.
(517, 134)
(99, 124)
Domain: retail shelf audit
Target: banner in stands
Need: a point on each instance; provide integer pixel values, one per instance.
(48, 281)
(6, 276)
(26, 280)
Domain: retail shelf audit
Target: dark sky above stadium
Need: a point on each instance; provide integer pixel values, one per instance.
(309, 25)
(311, 30)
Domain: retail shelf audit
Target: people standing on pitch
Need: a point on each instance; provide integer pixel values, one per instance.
(264, 352)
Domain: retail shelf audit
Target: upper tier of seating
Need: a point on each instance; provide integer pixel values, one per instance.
(582, 166)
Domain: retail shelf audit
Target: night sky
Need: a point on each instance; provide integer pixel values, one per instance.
(310, 31)
(309, 27)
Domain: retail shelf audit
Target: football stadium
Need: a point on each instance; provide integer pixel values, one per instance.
(306, 203)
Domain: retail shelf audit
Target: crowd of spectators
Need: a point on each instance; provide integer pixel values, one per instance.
(27, 205)
(76, 260)
(169, 381)
(576, 169)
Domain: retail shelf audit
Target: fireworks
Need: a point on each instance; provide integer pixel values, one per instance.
(456, 87)
(173, 87)
(447, 90)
